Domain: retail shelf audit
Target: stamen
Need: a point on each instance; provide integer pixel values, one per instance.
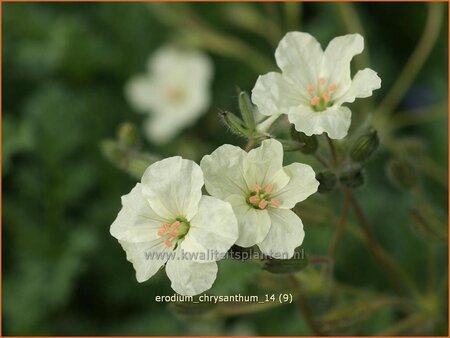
(321, 81)
(163, 230)
(269, 188)
(310, 89)
(175, 225)
(315, 101)
(168, 243)
(275, 203)
(326, 97)
(262, 204)
(257, 188)
(331, 88)
(254, 199)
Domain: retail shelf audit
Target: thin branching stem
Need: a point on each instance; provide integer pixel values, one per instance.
(398, 279)
(303, 307)
(415, 61)
(321, 160)
(340, 227)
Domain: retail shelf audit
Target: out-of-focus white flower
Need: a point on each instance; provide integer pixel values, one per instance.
(314, 84)
(165, 219)
(261, 192)
(175, 91)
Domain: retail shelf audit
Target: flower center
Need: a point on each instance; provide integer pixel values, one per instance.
(175, 94)
(172, 232)
(321, 94)
(260, 197)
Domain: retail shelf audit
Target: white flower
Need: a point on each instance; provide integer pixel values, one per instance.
(175, 91)
(166, 219)
(315, 83)
(261, 192)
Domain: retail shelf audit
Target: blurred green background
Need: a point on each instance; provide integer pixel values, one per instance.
(64, 69)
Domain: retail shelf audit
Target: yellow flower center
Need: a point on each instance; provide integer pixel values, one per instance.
(175, 94)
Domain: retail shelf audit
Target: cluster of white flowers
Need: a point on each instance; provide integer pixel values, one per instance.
(166, 216)
(166, 220)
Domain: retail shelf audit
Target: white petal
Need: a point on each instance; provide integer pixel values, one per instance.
(335, 121)
(213, 230)
(136, 221)
(173, 187)
(285, 234)
(299, 56)
(262, 163)
(302, 184)
(141, 92)
(170, 62)
(254, 224)
(161, 128)
(223, 171)
(363, 84)
(274, 94)
(147, 257)
(190, 278)
(337, 58)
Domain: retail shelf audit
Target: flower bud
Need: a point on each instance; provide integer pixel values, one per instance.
(429, 223)
(282, 266)
(402, 174)
(327, 180)
(128, 136)
(289, 145)
(310, 142)
(131, 161)
(112, 151)
(411, 146)
(352, 177)
(247, 110)
(365, 146)
(234, 123)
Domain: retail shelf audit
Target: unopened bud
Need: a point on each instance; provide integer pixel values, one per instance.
(133, 162)
(289, 145)
(411, 146)
(247, 110)
(128, 135)
(365, 146)
(112, 151)
(234, 123)
(429, 223)
(310, 142)
(285, 265)
(352, 177)
(327, 180)
(402, 174)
